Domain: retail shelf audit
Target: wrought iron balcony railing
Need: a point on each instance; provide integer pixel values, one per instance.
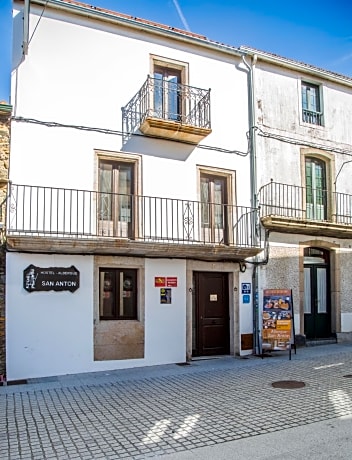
(167, 101)
(59, 212)
(314, 118)
(305, 203)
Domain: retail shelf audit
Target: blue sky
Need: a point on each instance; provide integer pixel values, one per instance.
(317, 32)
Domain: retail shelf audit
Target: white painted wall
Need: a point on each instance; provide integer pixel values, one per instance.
(51, 333)
(346, 322)
(48, 333)
(80, 72)
(165, 324)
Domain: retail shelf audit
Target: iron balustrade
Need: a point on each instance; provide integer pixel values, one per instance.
(305, 203)
(60, 212)
(167, 100)
(314, 118)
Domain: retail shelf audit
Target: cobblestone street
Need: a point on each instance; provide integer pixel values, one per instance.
(143, 413)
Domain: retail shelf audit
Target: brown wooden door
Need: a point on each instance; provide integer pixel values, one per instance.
(212, 314)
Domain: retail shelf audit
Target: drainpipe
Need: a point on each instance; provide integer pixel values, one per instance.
(252, 133)
(253, 190)
(26, 27)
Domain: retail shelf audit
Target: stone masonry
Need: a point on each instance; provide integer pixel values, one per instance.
(5, 115)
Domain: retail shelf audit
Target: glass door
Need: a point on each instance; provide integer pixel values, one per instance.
(316, 195)
(317, 311)
(213, 209)
(167, 93)
(115, 199)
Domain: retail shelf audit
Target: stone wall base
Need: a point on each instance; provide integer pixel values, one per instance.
(344, 337)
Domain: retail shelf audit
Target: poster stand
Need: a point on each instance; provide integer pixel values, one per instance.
(278, 327)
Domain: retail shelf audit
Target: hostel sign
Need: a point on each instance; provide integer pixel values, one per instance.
(50, 279)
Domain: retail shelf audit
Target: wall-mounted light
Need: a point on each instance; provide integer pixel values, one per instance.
(243, 267)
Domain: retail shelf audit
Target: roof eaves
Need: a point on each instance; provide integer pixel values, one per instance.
(139, 23)
(296, 65)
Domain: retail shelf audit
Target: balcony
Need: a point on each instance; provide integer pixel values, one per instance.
(294, 209)
(46, 219)
(314, 118)
(168, 110)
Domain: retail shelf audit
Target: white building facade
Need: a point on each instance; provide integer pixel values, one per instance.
(131, 208)
(160, 183)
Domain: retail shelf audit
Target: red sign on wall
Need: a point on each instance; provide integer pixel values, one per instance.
(159, 281)
(171, 281)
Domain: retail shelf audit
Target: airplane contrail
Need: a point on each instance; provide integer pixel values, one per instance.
(183, 19)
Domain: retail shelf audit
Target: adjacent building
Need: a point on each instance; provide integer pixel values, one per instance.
(5, 116)
(304, 150)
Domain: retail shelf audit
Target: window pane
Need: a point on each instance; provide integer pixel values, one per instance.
(307, 291)
(218, 199)
(107, 300)
(172, 90)
(129, 292)
(124, 190)
(105, 189)
(321, 290)
(158, 95)
(304, 97)
(204, 197)
(310, 97)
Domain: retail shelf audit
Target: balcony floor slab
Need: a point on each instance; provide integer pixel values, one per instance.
(126, 247)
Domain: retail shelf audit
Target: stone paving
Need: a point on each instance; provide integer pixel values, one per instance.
(148, 412)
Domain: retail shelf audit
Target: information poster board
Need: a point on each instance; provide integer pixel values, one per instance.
(277, 330)
(165, 295)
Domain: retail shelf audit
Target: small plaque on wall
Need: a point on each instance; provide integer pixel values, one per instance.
(246, 341)
(50, 279)
(165, 295)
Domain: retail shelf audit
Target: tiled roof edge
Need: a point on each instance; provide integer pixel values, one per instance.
(197, 38)
(293, 63)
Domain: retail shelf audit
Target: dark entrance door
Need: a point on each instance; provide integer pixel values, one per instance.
(211, 314)
(317, 309)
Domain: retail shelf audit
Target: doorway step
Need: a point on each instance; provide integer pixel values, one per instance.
(315, 342)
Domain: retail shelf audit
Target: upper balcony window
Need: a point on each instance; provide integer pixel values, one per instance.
(311, 104)
(167, 107)
(167, 95)
(316, 191)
